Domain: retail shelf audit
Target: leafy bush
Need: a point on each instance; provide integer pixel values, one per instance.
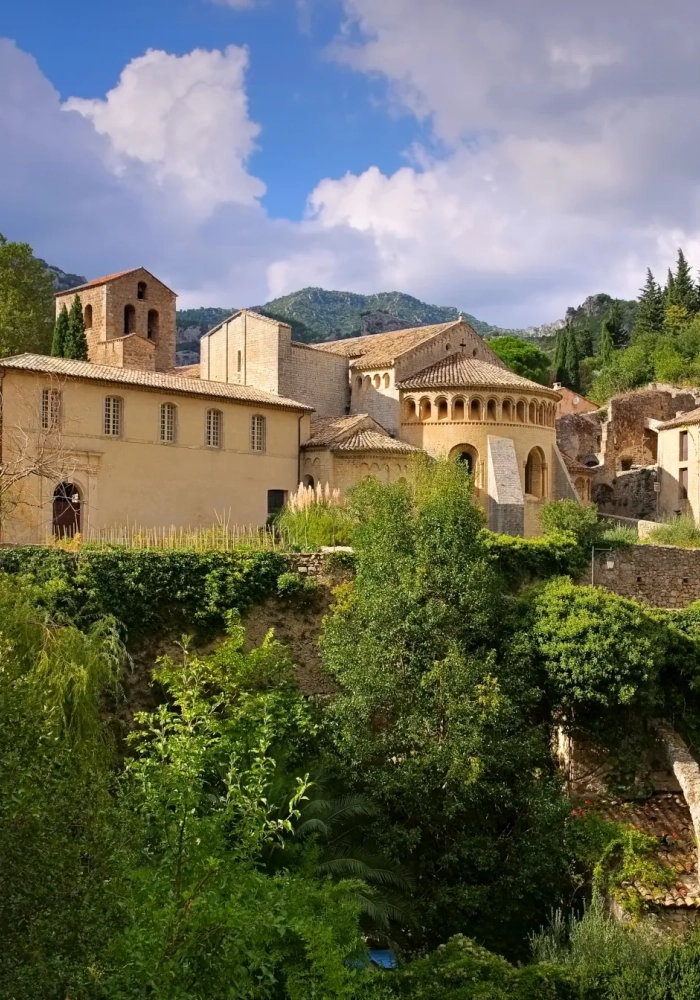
(313, 518)
(522, 560)
(597, 647)
(569, 517)
(146, 590)
(295, 587)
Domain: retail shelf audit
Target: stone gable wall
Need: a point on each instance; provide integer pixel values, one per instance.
(317, 378)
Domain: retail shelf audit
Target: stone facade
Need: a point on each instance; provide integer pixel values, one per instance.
(628, 494)
(133, 306)
(660, 575)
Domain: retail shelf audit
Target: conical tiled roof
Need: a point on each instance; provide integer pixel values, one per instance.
(460, 372)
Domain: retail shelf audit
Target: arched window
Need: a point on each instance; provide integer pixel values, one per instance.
(66, 510)
(442, 411)
(308, 481)
(426, 409)
(491, 410)
(215, 427)
(141, 290)
(541, 414)
(532, 416)
(507, 410)
(535, 474)
(475, 409)
(580, 487)
(368, 382)
(358, 382)
(387, 380)
(377, 381)
(409, 409)
(112, 424)
(168, 423)
(520, 411)
(468, 455)
(129, 320)
(153, 324)
(458, 409)
(257, 433)
(87, 317)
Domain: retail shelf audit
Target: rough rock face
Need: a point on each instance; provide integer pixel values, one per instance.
(627, 494)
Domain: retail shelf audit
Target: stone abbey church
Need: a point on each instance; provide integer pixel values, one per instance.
(128, 438)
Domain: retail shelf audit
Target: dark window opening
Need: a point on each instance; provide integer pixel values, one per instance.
(87, 317)
(682, 484)
(129, 320)
(141, 290)
(683, 447)
(276, 500)
(153, 324)
(625, 464)
(66, 510)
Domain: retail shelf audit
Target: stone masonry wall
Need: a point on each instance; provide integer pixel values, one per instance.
(661, 575)
(627, 494)
(317, 378)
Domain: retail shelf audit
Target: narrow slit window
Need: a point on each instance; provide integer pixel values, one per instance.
(214, 428)
(168, 423)
(257, 433)
(683, 447)
(682, 484)
(113, 416)
(50, 409)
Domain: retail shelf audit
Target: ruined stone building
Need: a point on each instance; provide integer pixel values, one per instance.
(128, 437)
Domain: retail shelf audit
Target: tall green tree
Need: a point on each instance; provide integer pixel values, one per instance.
(572, 361)
(26, 301)
(605, 345)
(683, 290)
(669, 290)
(75, 344)
(432, 718)
(616, 325)
(60, 334)
(649, 318)
(584, 337)
(560, 372)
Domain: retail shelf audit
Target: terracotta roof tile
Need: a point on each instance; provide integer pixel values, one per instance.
(458, 371)
(691, 417)
(108, 277)
(573, 465)
(162, 381)
(383, 348)
(369, 440)
(355, 432)
(325, 430)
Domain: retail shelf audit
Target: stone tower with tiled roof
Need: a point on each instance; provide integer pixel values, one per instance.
(129, 320)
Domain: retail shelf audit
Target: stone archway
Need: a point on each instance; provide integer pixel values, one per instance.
(468, 455)
(67, 504)
(536, 474)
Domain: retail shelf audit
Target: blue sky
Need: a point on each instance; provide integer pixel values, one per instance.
(508, 159)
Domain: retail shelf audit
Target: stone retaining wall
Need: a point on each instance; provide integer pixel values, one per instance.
(313, 563)
(662, 575)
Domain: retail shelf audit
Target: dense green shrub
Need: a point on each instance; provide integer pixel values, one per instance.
(681, 531)
(522, 560)
(295, 587)
(570, 517)
(146, 589)
(316, 524)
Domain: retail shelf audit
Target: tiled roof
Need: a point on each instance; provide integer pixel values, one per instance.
(383, 348)
(67, 368)
(573, 465)
(355, 432)
(667, 818)
(691, 417)
(186, 371)
(458, 371)
(108, 277)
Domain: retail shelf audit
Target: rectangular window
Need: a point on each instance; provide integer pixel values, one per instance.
(257, 433)
(168, 423)
(214, 428)
(50, 409)
(682, 484)
(113, 416)
(238, 362)
(683, 446)
(276, 499)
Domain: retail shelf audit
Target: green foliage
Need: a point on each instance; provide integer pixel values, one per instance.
(75, 342)
(597, 648)
(146, 590)
(682, 291)
(584, 337)
(681, 531)
(522, 358)
(523, 560)
(572, 360)
(615, 324)
(569, 517)
(605, 345)
(26, 301)
(60, 334)
(432, 722)
(295, 587)
(316, 525)
(650, 313)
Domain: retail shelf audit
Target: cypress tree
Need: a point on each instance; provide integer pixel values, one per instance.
(60, 333)
(76, 341)
(585, 340)
(616, 325)
(685, 293)
(560, 373)
(605, 345)
(650, 311)
(669, 290)
(572, 361)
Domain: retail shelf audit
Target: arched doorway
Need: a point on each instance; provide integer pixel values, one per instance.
(468, 456)
(536, 474)
(66, 510)
(308, 481)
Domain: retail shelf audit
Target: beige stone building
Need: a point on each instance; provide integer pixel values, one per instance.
(678, 460)
(128, 438)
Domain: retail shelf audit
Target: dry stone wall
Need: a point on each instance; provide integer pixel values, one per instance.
(661, 575)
